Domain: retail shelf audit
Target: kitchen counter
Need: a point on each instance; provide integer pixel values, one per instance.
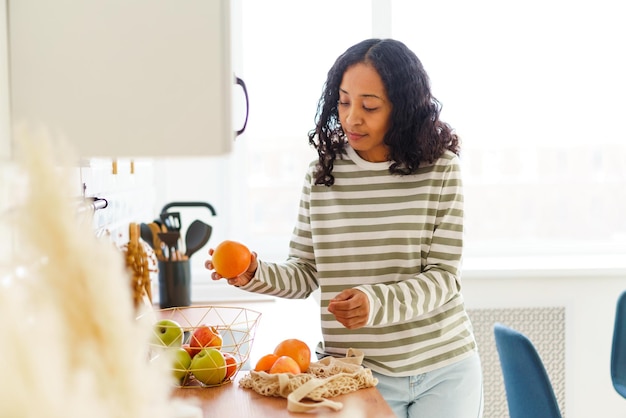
(232, 401)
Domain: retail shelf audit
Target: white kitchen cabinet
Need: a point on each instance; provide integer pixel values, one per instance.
(119, 78)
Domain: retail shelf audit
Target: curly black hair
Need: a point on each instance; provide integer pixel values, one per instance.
(416, 135)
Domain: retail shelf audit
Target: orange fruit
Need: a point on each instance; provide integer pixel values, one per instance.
(231, 259)
(285, 364)
(265, 363)
(297, 350)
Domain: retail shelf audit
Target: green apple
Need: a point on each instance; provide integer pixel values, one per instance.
(168, 333)
(209, 366)
(181, 363)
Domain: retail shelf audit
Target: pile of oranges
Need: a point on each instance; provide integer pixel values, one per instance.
(290, 356)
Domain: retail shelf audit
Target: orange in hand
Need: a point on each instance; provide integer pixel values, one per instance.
(231, 259)
(265, 363)
(297, 350)
(285, 364)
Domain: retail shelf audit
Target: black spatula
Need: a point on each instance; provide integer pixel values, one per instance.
(198, 234)
(170, 239)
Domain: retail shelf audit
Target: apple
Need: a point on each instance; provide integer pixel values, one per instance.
(231, 365)
(205, 336)
(180, 363)
(209, 366)
(188, 348)
(168, 333)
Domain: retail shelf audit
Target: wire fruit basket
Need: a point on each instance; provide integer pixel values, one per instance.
(236, 328)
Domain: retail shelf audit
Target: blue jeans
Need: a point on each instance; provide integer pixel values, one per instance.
(454, 391)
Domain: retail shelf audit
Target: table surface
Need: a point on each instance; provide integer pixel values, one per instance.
(232, 401)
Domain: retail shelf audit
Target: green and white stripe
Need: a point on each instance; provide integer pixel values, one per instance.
(399, 239)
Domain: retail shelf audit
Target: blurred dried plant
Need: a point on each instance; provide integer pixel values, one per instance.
(71, 346)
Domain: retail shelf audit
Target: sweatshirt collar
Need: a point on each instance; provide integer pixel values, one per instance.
(366, 165)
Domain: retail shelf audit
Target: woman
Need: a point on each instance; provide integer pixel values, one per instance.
(380, 232)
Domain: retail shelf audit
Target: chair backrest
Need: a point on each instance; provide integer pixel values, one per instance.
(529, 392)
(618, 349)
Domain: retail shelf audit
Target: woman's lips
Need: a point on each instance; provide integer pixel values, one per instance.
(353, 136)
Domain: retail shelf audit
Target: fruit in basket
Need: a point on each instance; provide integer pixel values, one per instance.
(168, 333)
(297, 350)
(205, 336)
(231, 365)
(181, 363)
(231, 259)
(265, 363)
(285, 364)
(188, 348)
(209, 366)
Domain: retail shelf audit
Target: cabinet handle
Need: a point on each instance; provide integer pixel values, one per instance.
(240, 82)
(92, 203)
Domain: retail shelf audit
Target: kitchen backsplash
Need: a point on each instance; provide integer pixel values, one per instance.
(128, 187)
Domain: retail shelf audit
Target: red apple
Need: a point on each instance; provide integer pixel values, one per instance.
(231, 365)
(205, 336)
(189, 349)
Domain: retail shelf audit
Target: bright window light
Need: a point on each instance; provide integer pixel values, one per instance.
(535, 89)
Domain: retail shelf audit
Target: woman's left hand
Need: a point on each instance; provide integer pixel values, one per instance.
(351, 308)
(241, 280)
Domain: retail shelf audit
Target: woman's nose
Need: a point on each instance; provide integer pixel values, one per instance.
(354, 116)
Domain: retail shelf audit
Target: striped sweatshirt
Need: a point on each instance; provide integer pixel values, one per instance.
(399, 240)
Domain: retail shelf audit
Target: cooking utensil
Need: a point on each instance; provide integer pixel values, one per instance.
(155, 228)
(198, 244)
(197, 235)
(171, 220)
(146, 234)
(170, 239)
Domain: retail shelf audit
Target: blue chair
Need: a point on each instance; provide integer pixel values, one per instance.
(529, 392)
(618, 349)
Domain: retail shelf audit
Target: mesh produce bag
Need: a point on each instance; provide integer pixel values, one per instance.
(325, 379)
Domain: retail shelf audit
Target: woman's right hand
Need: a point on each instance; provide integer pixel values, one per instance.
(241, 280)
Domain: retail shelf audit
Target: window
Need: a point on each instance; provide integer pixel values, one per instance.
(535, 89)
(288, 48)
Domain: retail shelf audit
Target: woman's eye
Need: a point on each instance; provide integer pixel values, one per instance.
(347, 103)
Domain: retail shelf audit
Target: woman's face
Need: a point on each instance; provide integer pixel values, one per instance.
(364, 111)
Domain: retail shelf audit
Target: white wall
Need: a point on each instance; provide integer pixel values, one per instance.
(588, 291)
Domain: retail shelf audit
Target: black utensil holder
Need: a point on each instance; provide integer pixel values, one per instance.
(174, 283)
